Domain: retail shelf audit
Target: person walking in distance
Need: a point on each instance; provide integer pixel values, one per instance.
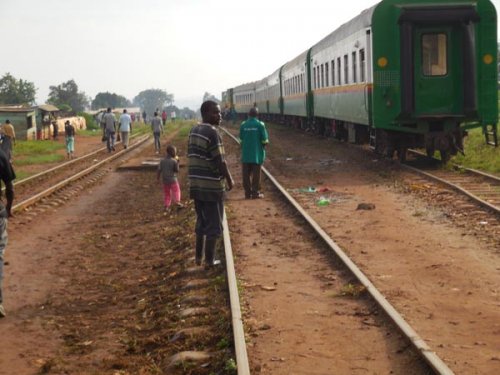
(7, 175)
(110, 129)
(69, 134)
(157, 128)
(125, 127)
(209, 178)
(55, 130)
(8, 138)
(254, 138)
(167, 170)
(164, 117)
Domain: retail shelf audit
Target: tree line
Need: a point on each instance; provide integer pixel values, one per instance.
(68, 98)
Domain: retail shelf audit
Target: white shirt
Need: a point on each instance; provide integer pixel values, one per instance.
(125, 121)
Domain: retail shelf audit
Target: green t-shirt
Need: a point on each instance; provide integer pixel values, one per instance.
(253, 136)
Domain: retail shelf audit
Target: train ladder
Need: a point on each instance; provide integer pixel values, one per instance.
(373, 138)
(490, 132)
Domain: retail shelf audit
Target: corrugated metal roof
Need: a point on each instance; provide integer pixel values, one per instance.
(16, 109)
(48, 108)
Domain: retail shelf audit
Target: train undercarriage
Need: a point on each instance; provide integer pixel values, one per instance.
(384, 142)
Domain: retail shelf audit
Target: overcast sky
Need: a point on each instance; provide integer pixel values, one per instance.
(186, 47)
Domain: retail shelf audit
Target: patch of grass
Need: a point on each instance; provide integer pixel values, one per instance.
(478, 154)
(140, 128)
(351, 290)
(37, 159)
(36, 147)
(182, 127)
(230, 366)
(21, 175)
(223, 344)
(36, 152)
(88, 133)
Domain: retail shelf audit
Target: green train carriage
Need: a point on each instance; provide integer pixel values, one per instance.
(434, 73)
(408, 74)
(415, 73)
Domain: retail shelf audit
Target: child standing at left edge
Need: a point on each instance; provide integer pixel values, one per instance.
(168, 169)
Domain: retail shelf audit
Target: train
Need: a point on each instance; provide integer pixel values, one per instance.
(402, 74)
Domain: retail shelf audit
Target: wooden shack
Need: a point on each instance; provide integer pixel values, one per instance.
(46, 115)
(23, 119)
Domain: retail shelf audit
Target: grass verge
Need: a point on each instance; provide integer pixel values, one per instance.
(478, 154)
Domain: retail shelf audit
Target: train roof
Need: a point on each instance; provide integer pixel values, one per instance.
(245, 86)
(299, 60)
(362, 21)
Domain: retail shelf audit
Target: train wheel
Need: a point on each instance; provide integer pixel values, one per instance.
(402, 154)
(390, 152)
(430, 152)
(445, 156)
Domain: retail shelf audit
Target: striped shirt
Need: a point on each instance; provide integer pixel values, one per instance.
(205, 150)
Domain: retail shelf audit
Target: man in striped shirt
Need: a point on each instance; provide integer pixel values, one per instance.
(209, 178)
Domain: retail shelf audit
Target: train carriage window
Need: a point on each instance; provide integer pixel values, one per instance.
(354, 67)
(362, 64)
(333, 72)
(434, 55)
(327, 74)
(339, 71)
(314, 78)
(322, 76)
(317, 78)
(346, 69)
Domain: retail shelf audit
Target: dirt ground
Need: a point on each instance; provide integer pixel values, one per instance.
(92, 287)
(98, 285)
(444, 279)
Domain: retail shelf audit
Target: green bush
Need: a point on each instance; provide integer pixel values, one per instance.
(89, 119)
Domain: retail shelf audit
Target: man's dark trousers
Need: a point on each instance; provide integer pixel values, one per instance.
(251, 179)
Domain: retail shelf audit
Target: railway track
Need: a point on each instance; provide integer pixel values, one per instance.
(428, 356)
(38, 188)
(480, 187)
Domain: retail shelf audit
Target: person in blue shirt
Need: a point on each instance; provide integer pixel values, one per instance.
(254, 138)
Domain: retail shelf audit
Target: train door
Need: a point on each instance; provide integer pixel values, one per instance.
(437, 74)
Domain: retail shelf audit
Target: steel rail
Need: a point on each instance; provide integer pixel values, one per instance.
(60, 166)
(430, 357)
(240, 347)
(35, 198)
(482, 202)
(475, 198)
(461, 167)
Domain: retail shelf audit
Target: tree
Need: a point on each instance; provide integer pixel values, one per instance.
(67, 94)
(106, 99)
(13, 91)
(150, 100)
(208, 96)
